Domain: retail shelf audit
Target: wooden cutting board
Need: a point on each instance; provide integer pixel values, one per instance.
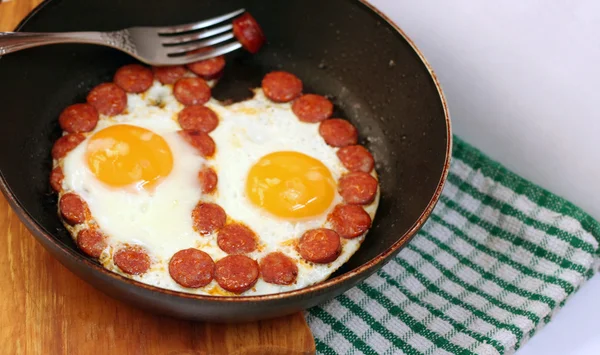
(45, 309)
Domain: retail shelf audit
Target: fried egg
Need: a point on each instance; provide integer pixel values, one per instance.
(139, 178)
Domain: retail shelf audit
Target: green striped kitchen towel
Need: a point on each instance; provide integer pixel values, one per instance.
(496, 260)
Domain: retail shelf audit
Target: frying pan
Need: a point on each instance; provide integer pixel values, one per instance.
(341, 48)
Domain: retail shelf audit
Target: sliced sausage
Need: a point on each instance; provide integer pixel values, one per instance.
(132, 260)
(169, 74)
(199, 140)
(198, 118)
(91, 242)
(356, 158)
(280, 86)
(312, 108)
(191, 268)
(349, 221)
(73, 209)
(209, 68)
(65, 144)
(108, 99)
(78, 118)
(320, 245)
(134, 78)
(56, 179)
(208, 180)
(248, 32)
(208, 217)
(338, 133)
(357, 188)
(278, 268)
(236, 238)
(191, 91)
(236, 273)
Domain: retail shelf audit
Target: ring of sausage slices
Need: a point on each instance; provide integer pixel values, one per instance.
(193, 268)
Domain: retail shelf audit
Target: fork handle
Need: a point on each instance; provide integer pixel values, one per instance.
(16, 41)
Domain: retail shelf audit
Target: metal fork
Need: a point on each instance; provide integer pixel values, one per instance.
(152, 45)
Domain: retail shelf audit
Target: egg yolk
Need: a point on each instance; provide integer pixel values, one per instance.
(122, 155)
(290, 185)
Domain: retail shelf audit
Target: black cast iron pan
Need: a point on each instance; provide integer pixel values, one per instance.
(341, 48)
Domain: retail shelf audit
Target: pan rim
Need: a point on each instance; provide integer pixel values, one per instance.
(352, 276)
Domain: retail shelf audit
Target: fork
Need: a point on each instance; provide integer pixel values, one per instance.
(172, 45)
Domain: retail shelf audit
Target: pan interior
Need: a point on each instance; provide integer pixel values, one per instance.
(339, 48)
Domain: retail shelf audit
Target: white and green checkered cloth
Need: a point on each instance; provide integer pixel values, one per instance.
(496, 260)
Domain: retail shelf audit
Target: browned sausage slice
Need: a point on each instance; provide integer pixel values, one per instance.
(132, 260)
(73, 209)
(236, 238)
(280, 86)
(208, 180)
(338, 133)
(357, 188)
(278, 268)
(191, 268)
(356, 158)
(65, 144)
(349, 221)
(191, 91)
(320, 245)
(208, 217)
(169, 74)
(248, 32)
(199, 140)
(198, 118)
(312, 108)
(209, 68)
(134, 78)
(108, 99)
(236, 273)
(91, 242)
(78, 118)
(56, 179)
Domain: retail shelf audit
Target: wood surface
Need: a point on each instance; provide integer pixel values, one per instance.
(45, 309)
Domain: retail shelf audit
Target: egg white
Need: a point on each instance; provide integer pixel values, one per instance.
(161, 221)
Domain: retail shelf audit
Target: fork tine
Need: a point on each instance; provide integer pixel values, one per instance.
(198, 25)
(195, 36)
(197, 45)
(224, 49)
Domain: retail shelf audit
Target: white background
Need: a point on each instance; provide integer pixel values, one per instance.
(521, 79)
